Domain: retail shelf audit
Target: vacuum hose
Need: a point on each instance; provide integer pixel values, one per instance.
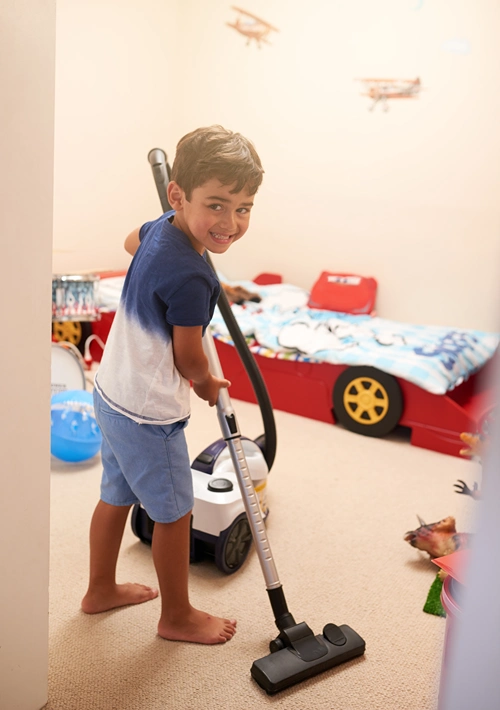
(161, 173)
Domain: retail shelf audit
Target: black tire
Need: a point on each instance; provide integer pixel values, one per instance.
(71, 331)
(233, 545)
(367, 401)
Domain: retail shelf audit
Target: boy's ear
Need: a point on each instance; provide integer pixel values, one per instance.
(175, 195)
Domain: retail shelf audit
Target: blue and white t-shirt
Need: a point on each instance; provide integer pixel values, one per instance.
(168, 283)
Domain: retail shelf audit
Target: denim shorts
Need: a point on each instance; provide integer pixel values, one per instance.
(144, 463)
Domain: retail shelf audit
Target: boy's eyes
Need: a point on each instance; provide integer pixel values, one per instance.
(218, 208)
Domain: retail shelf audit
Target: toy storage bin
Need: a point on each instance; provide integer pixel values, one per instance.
(451, 595)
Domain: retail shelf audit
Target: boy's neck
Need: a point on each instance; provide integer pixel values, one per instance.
(177, 223)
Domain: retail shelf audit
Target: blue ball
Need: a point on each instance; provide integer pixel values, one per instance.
(74, 434)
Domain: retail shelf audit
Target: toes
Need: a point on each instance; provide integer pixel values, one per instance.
(153, 590)
(228, 630)
(138, 593)
(148, 592)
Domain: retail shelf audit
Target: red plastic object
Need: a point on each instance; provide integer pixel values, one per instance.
(455, 564)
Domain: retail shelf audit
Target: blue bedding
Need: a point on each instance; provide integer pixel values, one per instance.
(433, 357)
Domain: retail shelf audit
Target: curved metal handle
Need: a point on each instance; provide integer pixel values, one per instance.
(161, 173)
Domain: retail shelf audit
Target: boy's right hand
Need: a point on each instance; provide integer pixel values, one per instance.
(209, 389)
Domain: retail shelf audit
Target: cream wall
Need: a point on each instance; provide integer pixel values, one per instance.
(27, 68)
(408, 196)
(114, 80)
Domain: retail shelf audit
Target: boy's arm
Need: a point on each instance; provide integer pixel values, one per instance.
(132, 242)
(192, 363)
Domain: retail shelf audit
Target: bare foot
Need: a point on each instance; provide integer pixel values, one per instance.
(120, 595)
(198, 627)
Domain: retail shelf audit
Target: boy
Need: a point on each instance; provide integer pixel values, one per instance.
(142, 388)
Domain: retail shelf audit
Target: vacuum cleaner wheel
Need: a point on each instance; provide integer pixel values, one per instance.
(233, 545)
(230, 549)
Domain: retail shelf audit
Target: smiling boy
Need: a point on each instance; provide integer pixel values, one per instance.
(142, 388)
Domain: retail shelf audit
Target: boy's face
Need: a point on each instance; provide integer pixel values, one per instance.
(214, 218)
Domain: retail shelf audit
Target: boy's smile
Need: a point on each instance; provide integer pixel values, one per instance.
(214, 217)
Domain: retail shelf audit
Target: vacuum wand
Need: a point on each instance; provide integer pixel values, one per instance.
(232, 437)
(296, 653)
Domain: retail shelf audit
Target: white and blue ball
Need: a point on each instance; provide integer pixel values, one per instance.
(74, 434)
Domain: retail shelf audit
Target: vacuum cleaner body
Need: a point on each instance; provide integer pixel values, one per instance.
(219, 524)
(217, 494)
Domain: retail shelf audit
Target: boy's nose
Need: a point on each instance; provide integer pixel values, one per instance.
(228, 221)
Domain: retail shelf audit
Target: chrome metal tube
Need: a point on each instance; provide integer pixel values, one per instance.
(232, 436)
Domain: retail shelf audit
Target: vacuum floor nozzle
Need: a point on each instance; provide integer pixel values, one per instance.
(293, 664)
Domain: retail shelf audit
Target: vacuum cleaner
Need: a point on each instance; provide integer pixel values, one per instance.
(296, 653)
(220, 529)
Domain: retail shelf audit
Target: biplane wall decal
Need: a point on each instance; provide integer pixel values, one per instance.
(381, 90)
(251, 26)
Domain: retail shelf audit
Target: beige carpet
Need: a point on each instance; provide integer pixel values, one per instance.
(340, 504)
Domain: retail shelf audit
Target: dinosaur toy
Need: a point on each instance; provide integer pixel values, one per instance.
(437, 539)
(476, 447)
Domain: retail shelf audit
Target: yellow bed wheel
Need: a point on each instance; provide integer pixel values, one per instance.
(71, 331)
(367, 401)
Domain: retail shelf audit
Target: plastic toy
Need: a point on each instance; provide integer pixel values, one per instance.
(477, 446)
(73, 306)
(238, 294)
(74, 434)
(437, 539)
(67, 368)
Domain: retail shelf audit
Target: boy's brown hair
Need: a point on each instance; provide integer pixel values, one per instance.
(215, 152)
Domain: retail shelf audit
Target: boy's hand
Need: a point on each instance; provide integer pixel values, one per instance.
(192, 363)
(209, 389)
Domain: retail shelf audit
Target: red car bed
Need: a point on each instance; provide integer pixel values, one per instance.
(363, 398)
